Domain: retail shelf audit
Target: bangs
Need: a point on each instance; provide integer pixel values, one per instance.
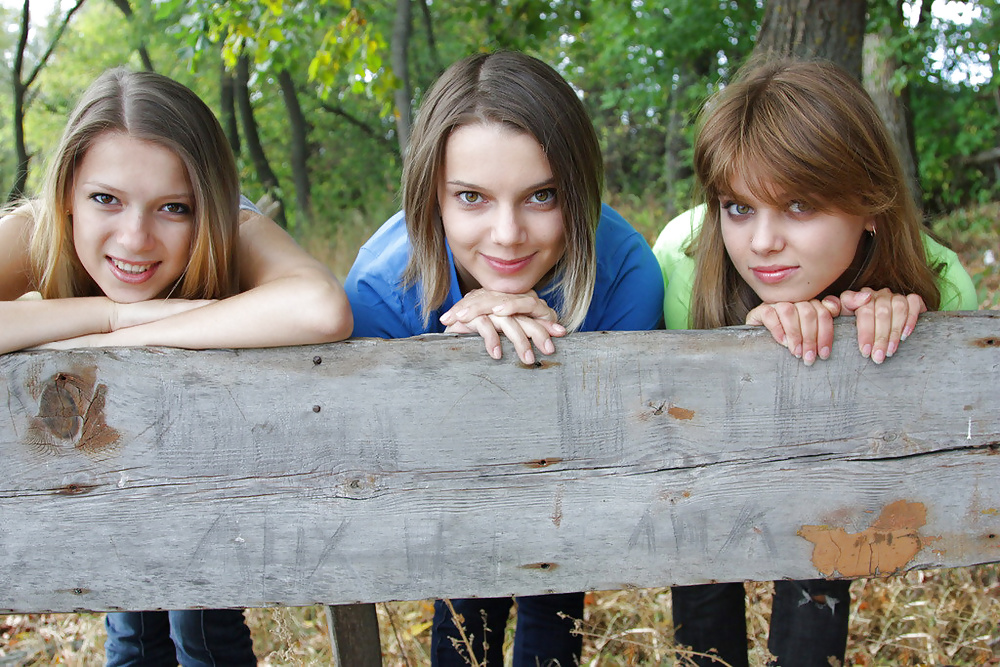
(776, 143)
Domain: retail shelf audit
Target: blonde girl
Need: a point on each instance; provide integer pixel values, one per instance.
(136, 239)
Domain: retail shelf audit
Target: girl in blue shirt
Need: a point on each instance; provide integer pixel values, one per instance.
(503, 232)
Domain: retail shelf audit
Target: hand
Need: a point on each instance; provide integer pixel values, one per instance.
(804, 327)
(884, 319)
(124, 315)
(522, 318)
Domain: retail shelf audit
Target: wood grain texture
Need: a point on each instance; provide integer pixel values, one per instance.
(373, 470)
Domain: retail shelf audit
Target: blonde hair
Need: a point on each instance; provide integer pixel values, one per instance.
(148, 107)
(805, 128)
(525, 94)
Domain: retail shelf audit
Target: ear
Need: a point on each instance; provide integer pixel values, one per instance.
(870, 225)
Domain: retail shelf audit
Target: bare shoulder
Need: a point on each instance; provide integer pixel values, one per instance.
(16, 276)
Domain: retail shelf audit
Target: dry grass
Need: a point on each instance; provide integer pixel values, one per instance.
(935, 617)
(932, 618)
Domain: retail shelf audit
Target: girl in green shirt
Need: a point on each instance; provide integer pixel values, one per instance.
(807, 216)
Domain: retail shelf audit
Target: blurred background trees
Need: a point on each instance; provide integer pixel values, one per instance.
(318, 95)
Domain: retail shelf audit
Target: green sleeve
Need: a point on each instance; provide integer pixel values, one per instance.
(677, 267)
(957, 290)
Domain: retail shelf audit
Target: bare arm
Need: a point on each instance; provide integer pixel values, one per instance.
(27, 323)
(288, 298)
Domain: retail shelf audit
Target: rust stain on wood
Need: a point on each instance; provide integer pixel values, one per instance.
(541, 363)
(886, 546)
(680, 413)
(540, 566)
(543, 463)
(71, 414)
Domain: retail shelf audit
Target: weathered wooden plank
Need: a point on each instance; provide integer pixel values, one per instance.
(379, 470)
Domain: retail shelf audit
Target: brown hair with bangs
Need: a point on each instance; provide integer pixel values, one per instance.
(809, 131)
(154, 108)
(525, 94)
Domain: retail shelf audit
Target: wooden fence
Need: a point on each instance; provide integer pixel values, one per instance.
(369, 470)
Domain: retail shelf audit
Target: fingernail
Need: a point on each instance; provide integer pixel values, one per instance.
(548, 347)
(866, 351)
(529, 357)
(497, 309)
(878, 357)
(495, 352)
(809, 358)
(559, 329)
(906, 333)
(798, 352)
(892, 349)
(445, 319)
(824, 353)
(461, 313)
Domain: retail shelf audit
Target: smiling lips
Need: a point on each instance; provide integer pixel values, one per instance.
(772, 274)
(508, 266)
(132, 272)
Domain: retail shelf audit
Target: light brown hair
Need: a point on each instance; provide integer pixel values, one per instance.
(805, 129)
(148, 107)
(525, 94)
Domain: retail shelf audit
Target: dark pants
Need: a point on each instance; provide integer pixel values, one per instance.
(808, 622)
(191, 638)
(543, 637)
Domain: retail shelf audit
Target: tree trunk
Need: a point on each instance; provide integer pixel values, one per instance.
(879, 66)
(400, 67)
(227, 102)
(431, 41)
(263, 168)
(830, 29)
(19, 89)
(21, 85)
(299, 128)
(126, 9)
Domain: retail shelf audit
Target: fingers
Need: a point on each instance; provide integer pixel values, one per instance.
(885, 321)
(481, 302)
(485, 328)
(805, 327)
(851, 300)
(521, 331)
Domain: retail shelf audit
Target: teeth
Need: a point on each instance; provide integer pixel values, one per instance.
(130, 268)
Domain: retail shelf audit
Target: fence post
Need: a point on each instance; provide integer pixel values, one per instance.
(354, 635)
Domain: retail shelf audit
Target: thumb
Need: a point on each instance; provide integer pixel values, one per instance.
(851, 301)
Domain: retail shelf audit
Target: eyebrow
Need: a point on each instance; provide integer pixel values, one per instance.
(541, 185)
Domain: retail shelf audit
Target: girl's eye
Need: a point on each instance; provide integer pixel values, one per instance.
(470, 197)
(737, 210)
(177, 208)
(104, 198)
(797, 206)
(546, 196)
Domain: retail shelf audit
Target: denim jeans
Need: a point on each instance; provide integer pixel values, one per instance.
(191, 638)
(543, 636)
(808, 622)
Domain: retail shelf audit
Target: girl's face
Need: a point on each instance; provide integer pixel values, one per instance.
(789, 253)
(500, 209)
(133, 217)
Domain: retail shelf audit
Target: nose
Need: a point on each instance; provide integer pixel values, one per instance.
(767, 236)
(508, 227)
(135, 231)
